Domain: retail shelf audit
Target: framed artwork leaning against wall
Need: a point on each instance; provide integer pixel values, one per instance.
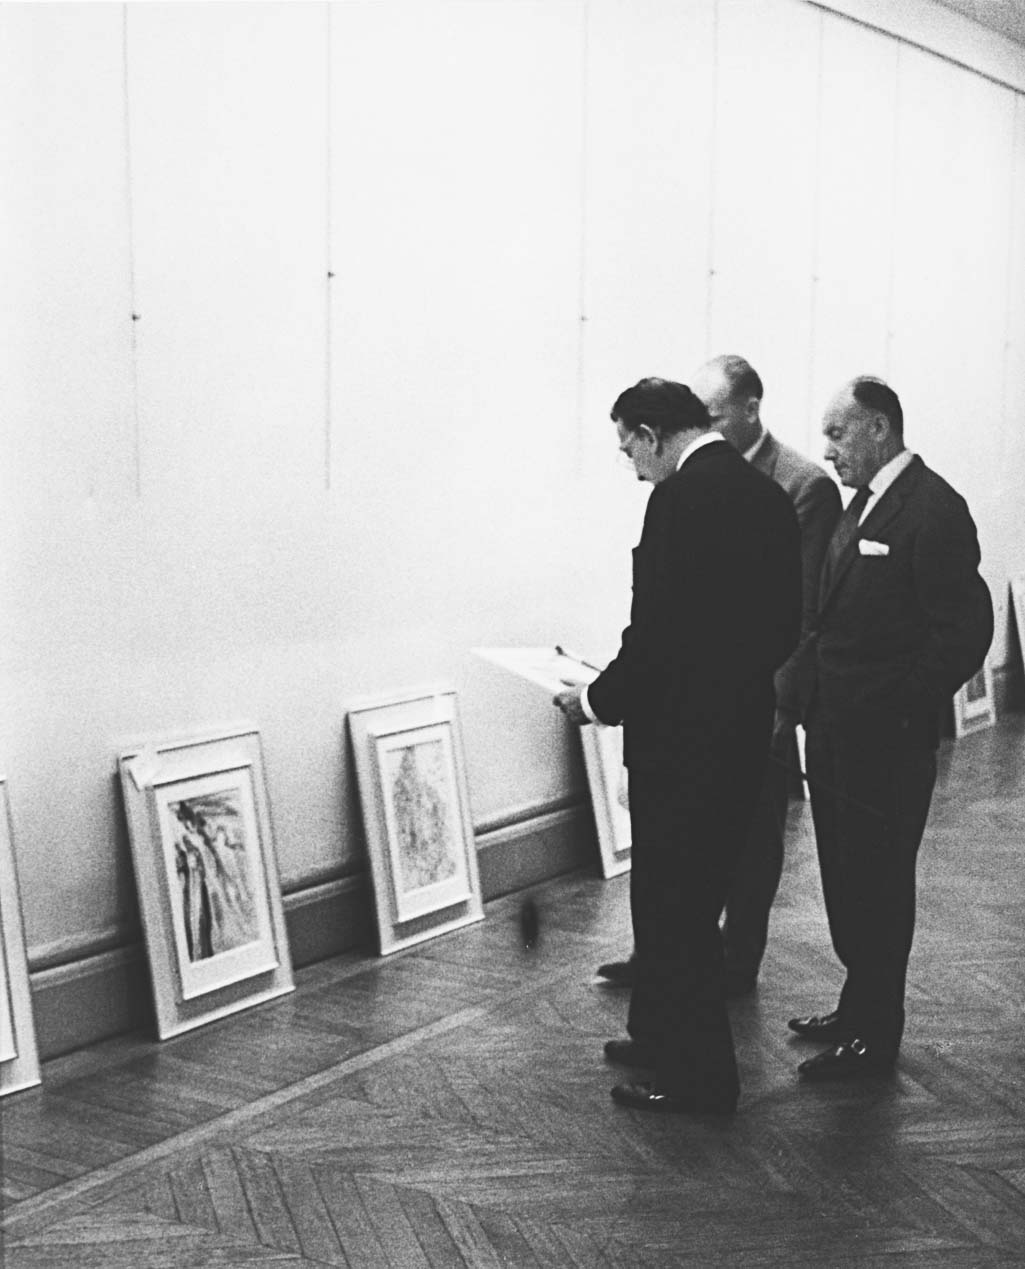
(19, 1059)
(408, 755)
(206, 874)
(1018, 607)
(974, 707)
(551, 668)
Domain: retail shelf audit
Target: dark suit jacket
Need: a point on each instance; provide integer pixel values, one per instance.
(816, 500)
(899, 633)
(716, 609)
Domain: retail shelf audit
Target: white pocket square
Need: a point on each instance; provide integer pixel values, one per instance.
(867, 547)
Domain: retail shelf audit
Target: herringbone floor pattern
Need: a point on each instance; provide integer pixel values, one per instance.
(450, 1106)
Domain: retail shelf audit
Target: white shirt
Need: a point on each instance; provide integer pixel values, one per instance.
(884, 478)
(706, 438)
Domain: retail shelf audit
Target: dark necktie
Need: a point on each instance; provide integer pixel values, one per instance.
(845, 532)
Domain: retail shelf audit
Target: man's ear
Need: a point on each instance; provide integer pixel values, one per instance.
(751, 409)
(651, 437)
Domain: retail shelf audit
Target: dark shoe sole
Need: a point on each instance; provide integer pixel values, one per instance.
(617, 975)
(835, 1074)
(639, 1097)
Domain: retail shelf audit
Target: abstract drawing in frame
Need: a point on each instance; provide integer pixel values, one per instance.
(19, 1060)
(205, 868)
(607, 781)
(412, 786)
(974, 707)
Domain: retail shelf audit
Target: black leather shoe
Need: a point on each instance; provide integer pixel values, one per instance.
(629, 1053)
(647, 1097)
(851, 1060)
(820, 1026)
(618, 973)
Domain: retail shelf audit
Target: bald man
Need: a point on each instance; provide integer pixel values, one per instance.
(904, 619)
(732, 392)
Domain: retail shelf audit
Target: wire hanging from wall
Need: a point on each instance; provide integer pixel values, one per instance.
(135, 316)
(582, 297)
(329, 278)
(713, 136)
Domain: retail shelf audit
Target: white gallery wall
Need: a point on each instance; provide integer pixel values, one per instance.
(313, 315)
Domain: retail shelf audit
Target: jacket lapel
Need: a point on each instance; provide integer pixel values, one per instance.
(888, 506)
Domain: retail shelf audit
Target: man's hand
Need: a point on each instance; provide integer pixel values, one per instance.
(569, 702)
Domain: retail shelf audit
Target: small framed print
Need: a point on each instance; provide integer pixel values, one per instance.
(610, 800)
(974, 708)
(205, 868)
(19, 1059)
(416, 814)
(1018, 605)
(553, 668)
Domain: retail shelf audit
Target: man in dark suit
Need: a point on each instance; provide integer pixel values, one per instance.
(732, 391)
(904, 619)
(716, 610)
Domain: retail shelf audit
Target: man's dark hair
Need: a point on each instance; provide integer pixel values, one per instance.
(741, 377)
(873, 394)
(664, 406)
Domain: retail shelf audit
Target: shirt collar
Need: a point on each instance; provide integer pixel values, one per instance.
(888, 473)
(706, 438)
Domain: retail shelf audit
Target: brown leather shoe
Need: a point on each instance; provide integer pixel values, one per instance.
(819, 1026)
(645, 1096)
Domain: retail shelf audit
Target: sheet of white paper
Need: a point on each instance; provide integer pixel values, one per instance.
(547, 667)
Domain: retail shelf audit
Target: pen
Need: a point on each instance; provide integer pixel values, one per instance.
(572, 656)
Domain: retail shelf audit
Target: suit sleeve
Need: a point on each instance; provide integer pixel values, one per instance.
(609, 693)
(956, 607)
(818, 509)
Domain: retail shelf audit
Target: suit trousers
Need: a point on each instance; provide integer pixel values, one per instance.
(759, 868)
(689, 824)
(871, 777)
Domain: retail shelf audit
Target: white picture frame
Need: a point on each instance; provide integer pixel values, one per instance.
(551, 668)
(610, 800)
(206, 875)
(410, 773)
(1018, 607)
(19, 1056)
(974, 707)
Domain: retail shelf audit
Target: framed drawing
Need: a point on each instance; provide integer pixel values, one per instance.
(202, 845)
(973, 703)
(19, 1060)
(607, 780)
(1018, 604)
(551, 669)
(416, 814)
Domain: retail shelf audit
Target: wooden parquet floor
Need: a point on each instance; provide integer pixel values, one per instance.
(450, 1106)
